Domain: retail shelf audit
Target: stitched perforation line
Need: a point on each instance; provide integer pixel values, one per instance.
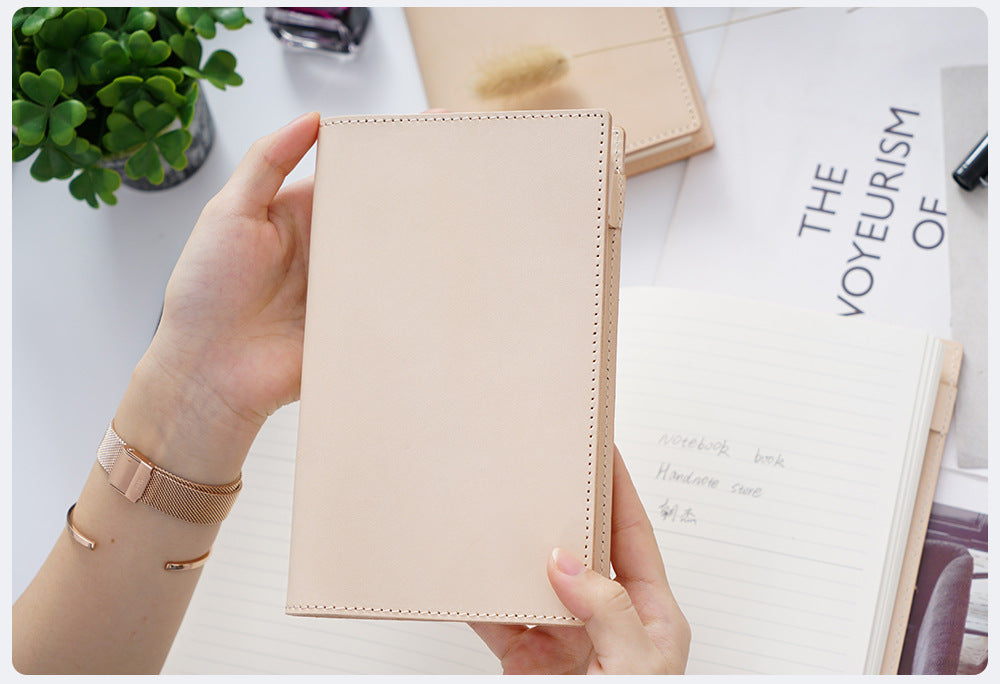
(607, 408)
(485, 116)
(596, 343)
(443, 613)
(612, 293)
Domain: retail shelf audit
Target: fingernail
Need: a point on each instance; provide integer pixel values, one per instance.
(566, 562)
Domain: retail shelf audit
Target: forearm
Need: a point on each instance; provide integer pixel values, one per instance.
(115, 609)
(228, 353)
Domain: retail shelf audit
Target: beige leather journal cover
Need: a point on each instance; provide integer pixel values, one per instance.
(627, 60)
(457, 378)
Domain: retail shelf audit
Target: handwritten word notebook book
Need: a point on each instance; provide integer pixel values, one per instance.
(779, 454)
(458, 366)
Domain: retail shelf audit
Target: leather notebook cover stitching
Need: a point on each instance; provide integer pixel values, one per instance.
(458, 365)
(629, 60)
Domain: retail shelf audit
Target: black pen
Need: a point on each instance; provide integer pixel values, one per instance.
(971, 173)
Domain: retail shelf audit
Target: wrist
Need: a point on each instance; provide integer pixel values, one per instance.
(174, 417)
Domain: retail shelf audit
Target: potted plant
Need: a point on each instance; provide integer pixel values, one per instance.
(98, 92)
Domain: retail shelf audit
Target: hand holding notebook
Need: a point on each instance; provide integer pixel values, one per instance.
(650, 637)
(451, 333)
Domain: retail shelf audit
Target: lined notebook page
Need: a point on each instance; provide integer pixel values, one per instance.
(777, 457)
(236, 622)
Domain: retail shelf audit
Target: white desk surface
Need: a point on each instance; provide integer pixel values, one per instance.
(87, 284)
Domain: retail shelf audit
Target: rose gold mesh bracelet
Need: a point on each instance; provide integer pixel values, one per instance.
(138, 479)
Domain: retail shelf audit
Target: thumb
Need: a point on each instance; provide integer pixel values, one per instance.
(259, 176)
(620, 641)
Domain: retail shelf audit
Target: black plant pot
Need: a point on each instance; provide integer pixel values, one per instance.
(202, 131)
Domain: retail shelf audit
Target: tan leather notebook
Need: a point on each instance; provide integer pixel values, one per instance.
(458, 368)
(630, 61)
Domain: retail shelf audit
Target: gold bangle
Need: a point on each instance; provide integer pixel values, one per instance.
(75, 534)
(90, 544)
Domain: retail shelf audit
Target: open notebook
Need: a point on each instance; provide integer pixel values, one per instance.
(779, 455)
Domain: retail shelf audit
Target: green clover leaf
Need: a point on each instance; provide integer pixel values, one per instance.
(142, 133)
(230, 17)
(50, 164)
(203, 19)
(72, 44)
(139, 19)
(120, 88)
(187, 46)
(63, 120)
(124, 92)
(172, 146)
(33, 119)
(198, 19)
(22, 151)
(145, 162)
(60, 161)
(144, 51)
(173, 73)
(82, 153)
(30, 24)
(164, 90)
(220, 70)
(64, 32)
(139, 56)
(154, 119)
(123, 134)
(43, 88)
(93, 183)
(113, 62)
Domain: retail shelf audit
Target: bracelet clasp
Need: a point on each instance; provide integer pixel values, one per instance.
(130, 474)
